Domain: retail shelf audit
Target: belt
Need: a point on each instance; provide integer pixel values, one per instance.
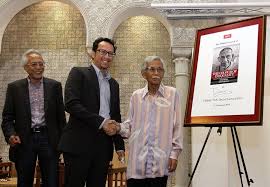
(39, 129)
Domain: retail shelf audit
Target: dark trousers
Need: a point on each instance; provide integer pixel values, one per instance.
(38, 146)
(148, 182)
(85, 169)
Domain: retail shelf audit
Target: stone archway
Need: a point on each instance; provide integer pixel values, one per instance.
(101, 19)
(136, 38)
(9, 9)
(133, 10)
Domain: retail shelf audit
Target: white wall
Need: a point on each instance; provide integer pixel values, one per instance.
(218, 167)
(212, 170)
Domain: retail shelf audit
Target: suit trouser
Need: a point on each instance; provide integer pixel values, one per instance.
(89, 170)
(148, 182)
(25, 163)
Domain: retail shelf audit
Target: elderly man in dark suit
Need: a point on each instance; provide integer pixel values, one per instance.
(92, 100)
(33, 118)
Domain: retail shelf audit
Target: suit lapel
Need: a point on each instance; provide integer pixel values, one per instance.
(93, 76)
(112, 90)
(26, 99)
(46, 89)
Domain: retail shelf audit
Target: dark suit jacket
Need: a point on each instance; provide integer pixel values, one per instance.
(17, 112)
(82, 134)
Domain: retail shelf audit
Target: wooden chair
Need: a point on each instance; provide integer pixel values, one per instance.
(38, 176)
(61, 172)
(61, 168)
(116, 177)
(5, 169)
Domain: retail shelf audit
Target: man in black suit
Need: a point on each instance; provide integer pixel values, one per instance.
(33, 118)
(92, 100)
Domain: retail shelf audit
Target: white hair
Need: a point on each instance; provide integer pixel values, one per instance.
(149, 59)
(24, 58)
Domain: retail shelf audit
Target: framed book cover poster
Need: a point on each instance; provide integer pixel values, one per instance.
(226, 85)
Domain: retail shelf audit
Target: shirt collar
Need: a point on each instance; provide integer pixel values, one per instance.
(97, 70)
(161, 90)
(29, 81)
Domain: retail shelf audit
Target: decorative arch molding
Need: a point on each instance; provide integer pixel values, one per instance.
(9, 9)
(100, 19)
(129, 10)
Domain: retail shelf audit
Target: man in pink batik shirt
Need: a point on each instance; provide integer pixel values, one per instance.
(153, 128)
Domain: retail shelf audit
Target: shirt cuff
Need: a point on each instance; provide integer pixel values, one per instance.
(120, 151)
(175, 153)
(121, 132)
(104, 121)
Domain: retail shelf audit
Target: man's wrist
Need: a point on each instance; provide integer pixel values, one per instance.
(118, 128)
(103, 122)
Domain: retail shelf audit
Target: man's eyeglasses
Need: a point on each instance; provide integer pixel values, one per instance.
(104, 53)
(35, 64)
(153, 70)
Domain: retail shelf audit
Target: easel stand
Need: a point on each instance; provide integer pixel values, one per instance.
(237, 150)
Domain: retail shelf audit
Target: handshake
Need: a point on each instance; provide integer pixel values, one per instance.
(111, 127)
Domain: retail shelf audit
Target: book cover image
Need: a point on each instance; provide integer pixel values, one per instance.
(225, 64)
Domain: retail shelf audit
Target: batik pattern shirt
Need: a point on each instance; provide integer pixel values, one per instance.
(154, 130)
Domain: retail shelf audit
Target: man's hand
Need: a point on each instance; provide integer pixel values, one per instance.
(118, 127)
(172, 164)
(14, 140)
(110, 127)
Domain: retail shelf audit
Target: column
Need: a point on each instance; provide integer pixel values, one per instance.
(181, 59)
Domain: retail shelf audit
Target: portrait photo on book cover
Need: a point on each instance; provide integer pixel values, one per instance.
(225, 64)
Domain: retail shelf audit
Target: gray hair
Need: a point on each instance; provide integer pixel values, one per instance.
(149, 59)
(24, 58)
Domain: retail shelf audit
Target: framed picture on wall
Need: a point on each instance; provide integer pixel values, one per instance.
(226, 86)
